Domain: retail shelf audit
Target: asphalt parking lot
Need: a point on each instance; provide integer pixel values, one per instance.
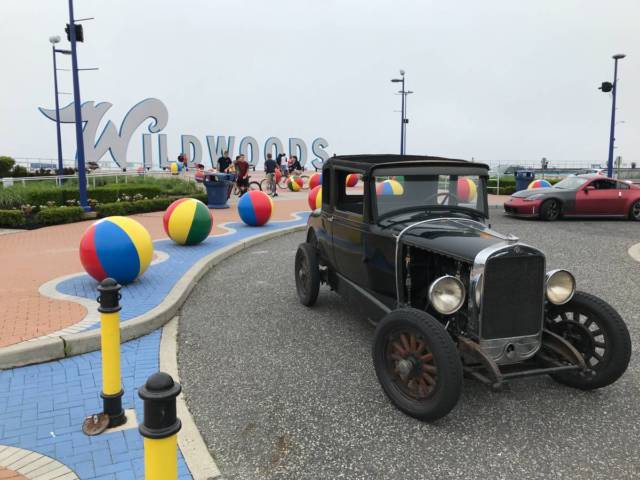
(279, 390)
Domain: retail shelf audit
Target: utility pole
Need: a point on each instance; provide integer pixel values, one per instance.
(612, 87)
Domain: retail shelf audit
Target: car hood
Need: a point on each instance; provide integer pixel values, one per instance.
(457, 238)
(534, 191)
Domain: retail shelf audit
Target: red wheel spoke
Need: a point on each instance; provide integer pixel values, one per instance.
(423, 389)
(427, 358)
(405, 342)
(420, 347)
(412, 342)
(428, 378)
(429, 368)
(397, 356)
(397, 346)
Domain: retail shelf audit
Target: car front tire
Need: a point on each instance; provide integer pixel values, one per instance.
(550, 210)
(307, 274)
(634, 211)
(417, 364)
(598, 332)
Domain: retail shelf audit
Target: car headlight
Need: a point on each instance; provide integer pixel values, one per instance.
(446, 294)
(537, 196)
(560, 286)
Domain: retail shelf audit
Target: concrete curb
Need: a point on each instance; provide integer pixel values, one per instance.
(193, 447)
(634, 252)
(47, 349)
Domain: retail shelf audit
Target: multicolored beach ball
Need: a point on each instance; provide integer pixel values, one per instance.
(539, 184)
(295, 184)
(352, 180)
(187, 221)
(315, 180)
(389, 187)
(255, 208)
(315, 197)
(467, 190)
(116, 247)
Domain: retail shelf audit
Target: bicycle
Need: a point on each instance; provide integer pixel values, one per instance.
(255, 185)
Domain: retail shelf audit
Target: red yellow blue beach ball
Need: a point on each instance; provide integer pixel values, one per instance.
(116, 247)
(467, 190)
(389, 187)
(187, 221)
(315, 180)
(542, 183)
(255, 208)
(315, 197)
(352, 180)
(295, 183)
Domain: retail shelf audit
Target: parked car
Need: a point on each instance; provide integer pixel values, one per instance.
(450, 296)
(578, 196)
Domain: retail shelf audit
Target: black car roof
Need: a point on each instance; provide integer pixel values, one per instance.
(367, 161)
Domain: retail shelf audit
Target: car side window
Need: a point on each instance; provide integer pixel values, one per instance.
(604, 184)
(623, 186)
(349, 197)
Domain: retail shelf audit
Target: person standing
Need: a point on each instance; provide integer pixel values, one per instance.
(270, 170)
(224, 162)
(294, 165)
(242, 168)
(182, 158)
(282, 160)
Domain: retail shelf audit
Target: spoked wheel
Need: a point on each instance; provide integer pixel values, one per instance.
(264, 186)
(598, 332)
(634, 213)
(307, 274)
(550, 210)
(282, 184)
(254, 186)
(305, 181)
(417, 364)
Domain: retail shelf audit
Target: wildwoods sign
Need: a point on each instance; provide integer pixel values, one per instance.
(116, 141)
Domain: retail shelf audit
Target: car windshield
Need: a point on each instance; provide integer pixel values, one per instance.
(571, 183)
(401, 193)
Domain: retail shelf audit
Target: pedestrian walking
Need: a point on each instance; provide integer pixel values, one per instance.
(224, 162)
(270, 170)
(282, 161)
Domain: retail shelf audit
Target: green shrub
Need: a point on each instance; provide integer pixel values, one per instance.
(12, 197)
(6, 164)
(58, 215)
(19, 171)
(11, 219)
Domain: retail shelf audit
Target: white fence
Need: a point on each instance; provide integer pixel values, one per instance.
(92, 178)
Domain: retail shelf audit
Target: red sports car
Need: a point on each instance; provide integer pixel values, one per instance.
(578, 196)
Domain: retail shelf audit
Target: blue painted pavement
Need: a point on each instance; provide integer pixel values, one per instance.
(153, 286)
(42, 406)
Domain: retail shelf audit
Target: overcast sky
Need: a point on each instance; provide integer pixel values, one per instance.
(497, 80)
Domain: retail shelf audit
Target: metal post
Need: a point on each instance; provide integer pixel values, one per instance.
(82, 175)
(614, 90)
(110, 345)
(55, 86)
(402, 119)
(161, 426)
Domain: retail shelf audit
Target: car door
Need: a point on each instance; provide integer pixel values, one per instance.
(600, 196)
(348, 230)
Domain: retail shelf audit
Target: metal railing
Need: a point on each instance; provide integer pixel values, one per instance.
(92, 178)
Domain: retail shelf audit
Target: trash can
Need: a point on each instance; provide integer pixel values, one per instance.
(218, 186)
(524, 178)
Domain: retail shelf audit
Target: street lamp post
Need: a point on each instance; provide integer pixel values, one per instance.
(54, 40)
(612, 87)
(403, 112)
(82, 175)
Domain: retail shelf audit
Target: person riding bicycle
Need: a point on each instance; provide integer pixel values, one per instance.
(270, 170)
(242, 168)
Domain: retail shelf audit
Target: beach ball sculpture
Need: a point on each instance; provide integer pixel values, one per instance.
(315, 197)
(116, 247)
(389, 187)
(539, 184)
(255, 208)
(315, 180)
(352, 180)
(295, 184)
(467, 191)
(175, 167)
(187, 221)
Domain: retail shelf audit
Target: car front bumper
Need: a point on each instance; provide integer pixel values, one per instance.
(520, 207)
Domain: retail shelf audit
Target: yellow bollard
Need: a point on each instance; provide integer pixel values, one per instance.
(161, 426)
(110, 342)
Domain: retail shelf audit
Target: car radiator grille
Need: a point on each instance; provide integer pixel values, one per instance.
(512, 301)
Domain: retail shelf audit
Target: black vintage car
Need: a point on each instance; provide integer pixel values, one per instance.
(450, 296)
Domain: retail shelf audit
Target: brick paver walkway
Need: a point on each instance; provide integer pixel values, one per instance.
(6, 474)
(30, 258)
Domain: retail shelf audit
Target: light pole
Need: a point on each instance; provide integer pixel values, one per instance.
(82, 175)
(55, 39)
(403, 112)
(612, 87)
